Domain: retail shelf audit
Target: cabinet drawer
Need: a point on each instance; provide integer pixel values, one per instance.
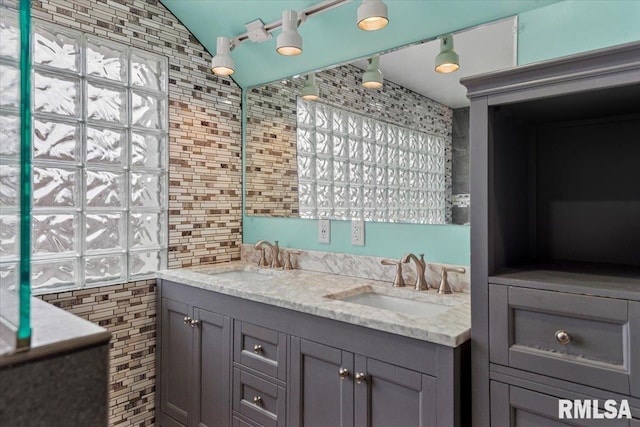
(262, 349)
(515, 406)
(258, 400)
(578, 338)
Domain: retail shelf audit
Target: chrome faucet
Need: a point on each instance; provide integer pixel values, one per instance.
(275, 252)
(421, 282)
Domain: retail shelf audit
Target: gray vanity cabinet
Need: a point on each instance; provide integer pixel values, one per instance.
(258, 365)
(333, 387)
(555, 237)
(321, 385)
(194, 366)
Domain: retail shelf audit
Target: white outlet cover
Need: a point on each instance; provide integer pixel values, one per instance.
(357, 232)
(324, 231)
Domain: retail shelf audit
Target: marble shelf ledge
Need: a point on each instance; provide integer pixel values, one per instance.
(306, 291)
(55, 331)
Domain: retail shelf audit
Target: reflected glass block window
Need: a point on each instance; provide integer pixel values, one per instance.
(99, 160)
(355, 167)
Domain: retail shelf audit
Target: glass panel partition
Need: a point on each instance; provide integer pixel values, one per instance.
(15, 178)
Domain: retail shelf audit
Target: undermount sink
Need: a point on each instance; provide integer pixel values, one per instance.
(391, 303)
(241, 275)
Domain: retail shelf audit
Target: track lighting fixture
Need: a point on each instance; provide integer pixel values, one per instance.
(310, 91)
(289, 42)
(372, 78)
(447, 60)
(372, 15)
(222, 64)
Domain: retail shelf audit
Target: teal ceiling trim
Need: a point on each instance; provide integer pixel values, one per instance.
(331, 37)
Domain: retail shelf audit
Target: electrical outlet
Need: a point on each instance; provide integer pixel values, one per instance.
(324, 231)
(357, 232)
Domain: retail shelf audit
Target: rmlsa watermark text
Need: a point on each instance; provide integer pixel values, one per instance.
(587, 409)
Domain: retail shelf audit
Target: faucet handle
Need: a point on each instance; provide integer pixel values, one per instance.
(444, 283)
(287, 264)
(263, 259)
(398, 281)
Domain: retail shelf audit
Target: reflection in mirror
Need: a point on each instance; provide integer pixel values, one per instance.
(394, 154)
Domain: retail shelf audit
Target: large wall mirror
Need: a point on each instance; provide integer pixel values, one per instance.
(398, 153)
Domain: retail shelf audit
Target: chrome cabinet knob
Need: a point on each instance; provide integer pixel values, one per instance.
(360, 377)
(257, 349)
(186, 320)
(343, 373)
(257, 400)
(194, 323)
(563, 337)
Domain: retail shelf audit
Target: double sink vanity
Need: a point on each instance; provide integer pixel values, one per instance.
(244, 345)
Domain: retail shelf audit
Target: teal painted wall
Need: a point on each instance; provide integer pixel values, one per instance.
(440, 243)
(576, 26)
(552, 31)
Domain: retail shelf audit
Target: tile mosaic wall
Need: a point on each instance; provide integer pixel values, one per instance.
(128, 311)
(271, 171)
(204, 184)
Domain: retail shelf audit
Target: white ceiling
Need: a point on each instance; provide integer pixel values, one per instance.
(482, 49)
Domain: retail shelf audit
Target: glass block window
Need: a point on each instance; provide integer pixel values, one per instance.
(355, 167)
(99, 161)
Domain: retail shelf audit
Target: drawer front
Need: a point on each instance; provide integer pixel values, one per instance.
(262, 349)
(239, 422)
(578, 338)
(515, 406)
(258, 399)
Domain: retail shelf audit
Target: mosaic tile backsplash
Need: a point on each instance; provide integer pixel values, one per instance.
(271, 168)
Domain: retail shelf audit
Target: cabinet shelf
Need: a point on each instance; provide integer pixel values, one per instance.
(605, 280)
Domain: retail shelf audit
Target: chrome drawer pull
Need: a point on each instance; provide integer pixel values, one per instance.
(257, 349)
(343, 373)
(257, 400)
(194, 323)
(186, 320)
(563, 337)
(360, 377)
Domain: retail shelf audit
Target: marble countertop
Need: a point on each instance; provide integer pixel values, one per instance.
(55, 331)
(306, 291)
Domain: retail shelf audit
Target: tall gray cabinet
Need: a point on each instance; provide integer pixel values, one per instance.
(555, 237)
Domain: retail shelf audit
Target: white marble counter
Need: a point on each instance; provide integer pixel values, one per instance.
(306, 291)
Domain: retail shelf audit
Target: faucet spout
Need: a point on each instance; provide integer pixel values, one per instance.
(275, 252)
(421, 282)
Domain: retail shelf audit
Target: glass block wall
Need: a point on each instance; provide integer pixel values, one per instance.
(353, 166)
(10, 147)
(99, 161)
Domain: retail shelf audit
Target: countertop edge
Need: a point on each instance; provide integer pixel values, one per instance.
(454, 339)
(55, 331)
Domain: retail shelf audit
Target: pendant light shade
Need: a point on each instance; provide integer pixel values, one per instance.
(372, 78)
(222, 64)
(372, 15)
(447, 60)
(310, 91)
(289, 41)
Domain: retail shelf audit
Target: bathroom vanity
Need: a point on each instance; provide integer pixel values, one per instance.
(243, 346)
(556, 238)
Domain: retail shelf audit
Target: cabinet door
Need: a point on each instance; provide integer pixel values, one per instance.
(211, 369)
(176, 358)
(319, 396)
(389, 395)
